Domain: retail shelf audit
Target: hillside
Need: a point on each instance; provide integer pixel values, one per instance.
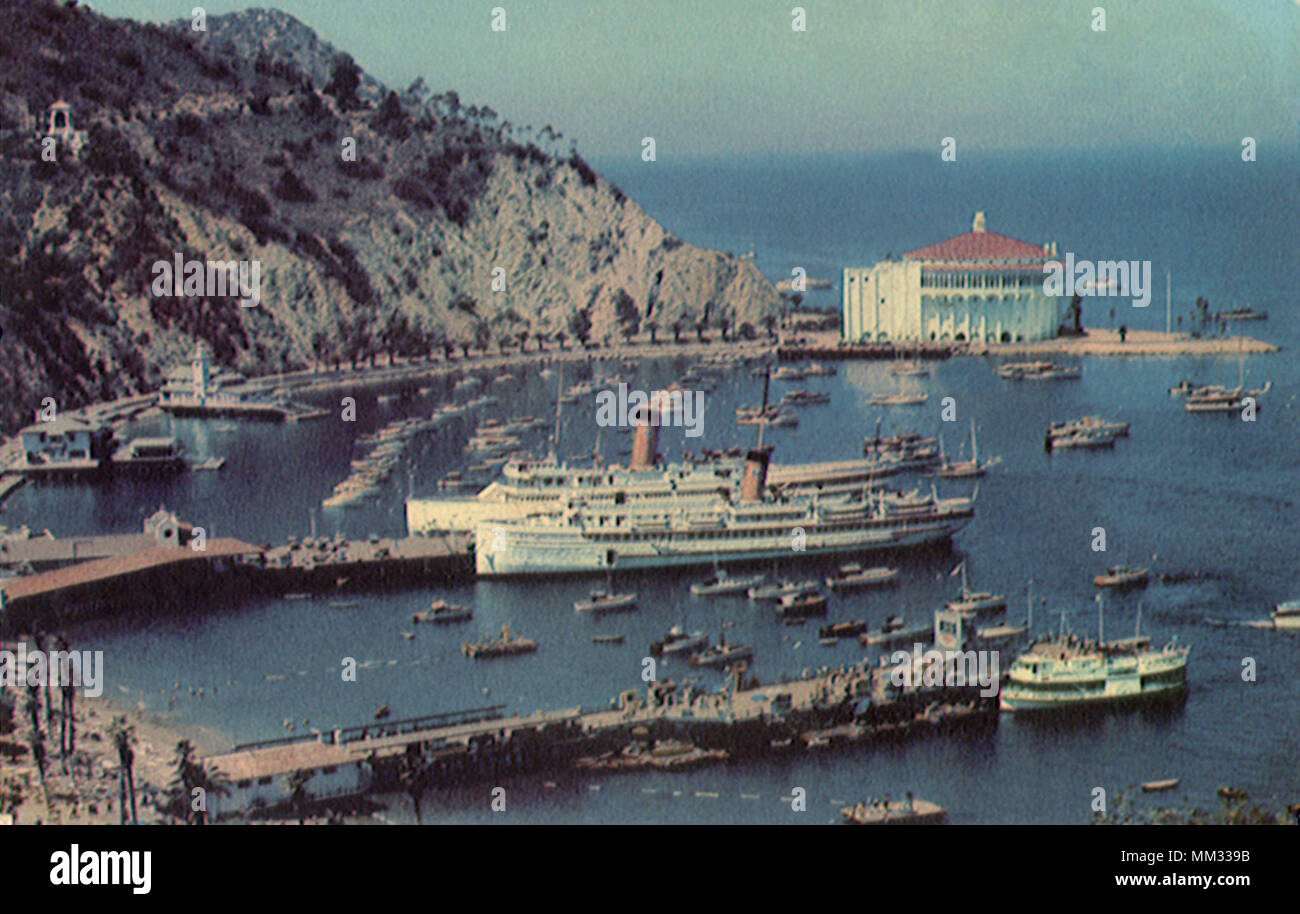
(229, 145)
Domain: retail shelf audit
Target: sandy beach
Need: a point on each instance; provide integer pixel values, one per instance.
(86, 792)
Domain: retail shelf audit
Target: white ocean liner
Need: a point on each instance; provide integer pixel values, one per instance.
(529, 486)
(585, 537)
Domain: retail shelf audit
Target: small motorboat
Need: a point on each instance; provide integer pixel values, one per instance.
(898, 399)
(801, 604)
(1286, 615)
(853, 575)
(843, 629)
(1121, 576)
(1088, 424)
(894, 631)
(1153, 786)
(440, 611)
(723, 583)
(1185, 387)
(784, 588)
(1084, 440)
(604, 601)
(678, 641)
(722, 655)
(607, 639)
(972, 602)
(977, 603)
(1242, 314)
(805, 398)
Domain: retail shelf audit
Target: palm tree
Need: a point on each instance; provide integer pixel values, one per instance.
(123, 735)
(67, 720)
(560, 337)
(39, 640)
(677, 331)
(67, 715)
(11, 797)
(34, 708)
(652, 326)
(38, 752)
(184, 783)
(299, 795)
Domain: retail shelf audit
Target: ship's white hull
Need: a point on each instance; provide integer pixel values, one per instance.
(1156, 678)
(498, 502)
(1115, 693)
(506, 550)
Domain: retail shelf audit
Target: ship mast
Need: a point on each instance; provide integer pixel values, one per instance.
(1029, 620)
(559, 402)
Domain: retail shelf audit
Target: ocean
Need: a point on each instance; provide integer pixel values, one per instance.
(1185, 493)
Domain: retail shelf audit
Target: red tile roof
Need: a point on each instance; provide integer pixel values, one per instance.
(978, 246)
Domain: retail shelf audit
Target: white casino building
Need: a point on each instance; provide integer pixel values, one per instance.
(979, 286)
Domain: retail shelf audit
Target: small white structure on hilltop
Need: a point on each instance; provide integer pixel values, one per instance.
(979, 286)
(60, 126)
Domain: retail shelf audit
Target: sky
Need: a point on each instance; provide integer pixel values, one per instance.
(732, 78)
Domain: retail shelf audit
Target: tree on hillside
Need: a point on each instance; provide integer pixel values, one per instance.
(580, 325)
(625, 311)
(344, 81)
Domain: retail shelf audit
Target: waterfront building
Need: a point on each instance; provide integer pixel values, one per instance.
(979, 286)
(198, 389)
(196, 383)
(259, 779)
(64, 443)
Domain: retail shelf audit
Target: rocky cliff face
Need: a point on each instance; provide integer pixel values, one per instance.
(381, 221)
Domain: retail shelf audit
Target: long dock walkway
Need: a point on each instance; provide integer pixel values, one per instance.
(485, 741)
(98, 575)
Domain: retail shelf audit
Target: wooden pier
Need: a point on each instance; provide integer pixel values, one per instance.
(868, 351)
(121, 573)
(328, 565)
(855, 704)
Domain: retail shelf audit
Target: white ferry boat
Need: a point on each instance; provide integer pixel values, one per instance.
(582, 537)
(1067, 673)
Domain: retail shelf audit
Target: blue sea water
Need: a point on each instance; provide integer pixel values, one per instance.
(1185, 493)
